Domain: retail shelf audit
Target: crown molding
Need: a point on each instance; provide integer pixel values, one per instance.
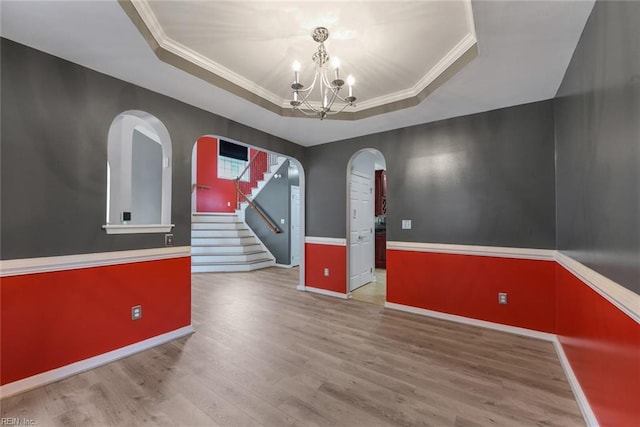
(192, 62)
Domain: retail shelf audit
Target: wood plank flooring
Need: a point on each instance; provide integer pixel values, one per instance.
(265, 354)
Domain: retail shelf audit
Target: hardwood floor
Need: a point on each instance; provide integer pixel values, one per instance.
(265, 354)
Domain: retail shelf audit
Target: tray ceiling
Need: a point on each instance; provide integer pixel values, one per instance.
(399, 52)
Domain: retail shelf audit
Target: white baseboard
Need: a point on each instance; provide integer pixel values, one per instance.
(63, 372)
(474, 322)
(285, 265)
(325, 292)
(581, 399)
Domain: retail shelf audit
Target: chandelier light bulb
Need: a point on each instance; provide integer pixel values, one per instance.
(350, 82)
(335, 63)
(296, 72)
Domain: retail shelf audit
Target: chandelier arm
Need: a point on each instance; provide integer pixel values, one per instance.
(331, 113)
(321, 78)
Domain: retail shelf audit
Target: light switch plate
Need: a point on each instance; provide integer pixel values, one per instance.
(406, 224)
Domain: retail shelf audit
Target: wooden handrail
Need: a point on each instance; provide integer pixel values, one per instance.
(246, 168)
(240, 194)
(200, 187)
(272, 226)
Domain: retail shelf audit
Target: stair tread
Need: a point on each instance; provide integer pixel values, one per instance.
(215, 224)
(257, 261)
(222, 237)
(230, 254)
(229, 245)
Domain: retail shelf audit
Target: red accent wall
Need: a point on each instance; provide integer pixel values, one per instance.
(468, 285)
(317, 258)
(602, 345)
(222, 191)
(49, 320)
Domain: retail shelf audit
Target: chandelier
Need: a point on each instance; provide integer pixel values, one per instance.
(329, 89)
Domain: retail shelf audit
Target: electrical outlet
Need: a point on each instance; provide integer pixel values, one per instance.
(136, 312)
(228, 203)
(326, 272)
(406, 224)
(168, 239)
(502, 298)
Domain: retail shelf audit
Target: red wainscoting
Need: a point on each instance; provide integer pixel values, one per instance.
(321, 256)
(602, 345)
(50, 320)
(468, 285)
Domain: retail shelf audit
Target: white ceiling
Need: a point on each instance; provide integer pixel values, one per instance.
(524, 49)
(226, 39)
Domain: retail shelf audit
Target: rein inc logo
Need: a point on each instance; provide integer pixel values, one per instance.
(14, 421)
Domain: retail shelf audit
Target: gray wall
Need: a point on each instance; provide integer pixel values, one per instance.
(55, 119)
(146, 180)
(598, 146)
(484, 179)
(274, 199)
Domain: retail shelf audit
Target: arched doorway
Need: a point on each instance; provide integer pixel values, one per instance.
(366, 223)
(279, 189)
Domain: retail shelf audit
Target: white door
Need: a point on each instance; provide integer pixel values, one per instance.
(295, 225)
(361, 249)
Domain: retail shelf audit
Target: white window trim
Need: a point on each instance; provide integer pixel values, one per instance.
(247, 177)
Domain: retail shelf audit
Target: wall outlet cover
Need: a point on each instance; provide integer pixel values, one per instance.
(136, 312)
(502, 298)
(326, 272)
(168, 239)
(406, 224)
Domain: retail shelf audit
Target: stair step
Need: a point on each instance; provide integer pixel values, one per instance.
(210, 217)
(218, 226)
(225, 241)
(220, 233)
(231, 267)
(225, 249)
(226, 258)
(259, 260)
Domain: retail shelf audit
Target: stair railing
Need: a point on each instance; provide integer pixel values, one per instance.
(241, 195)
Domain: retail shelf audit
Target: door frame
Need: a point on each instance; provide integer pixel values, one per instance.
(291, 224)
(355, 155)
(361, 251)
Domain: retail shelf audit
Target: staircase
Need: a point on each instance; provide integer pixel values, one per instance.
(222, 242)
(274, 162)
